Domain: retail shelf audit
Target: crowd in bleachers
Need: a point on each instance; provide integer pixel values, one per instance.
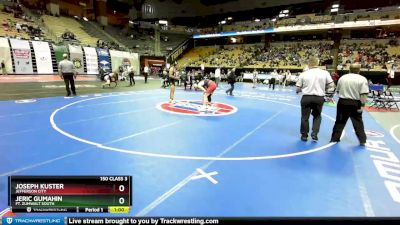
(108, 45)
(16, 24)
(371, 54)
(291, 55)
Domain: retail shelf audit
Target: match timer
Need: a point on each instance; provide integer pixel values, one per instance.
(87, 194)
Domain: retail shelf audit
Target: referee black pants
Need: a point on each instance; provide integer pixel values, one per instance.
(131, 79)
(348, 108)
(69, 79)
(311, 105)
(272, 82)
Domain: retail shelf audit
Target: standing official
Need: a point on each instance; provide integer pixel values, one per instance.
(272, 80)
(231, 80)
(218, 75)
(131, 74)
(146, 71)
(66, 70)
(391, 72)
(353, 93)
(314, 83)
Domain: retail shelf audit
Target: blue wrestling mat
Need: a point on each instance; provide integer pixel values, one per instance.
(242, 156)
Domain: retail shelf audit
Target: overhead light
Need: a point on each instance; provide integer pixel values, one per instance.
(376, 9)
(130, 21)
(257, 20)
(229, 18)
(335, 10)
(281, 15)
(85, 19)
(233, 40)
(335, 6)
(163, 22)
(273, 20)
(285, 11)
(223, 22)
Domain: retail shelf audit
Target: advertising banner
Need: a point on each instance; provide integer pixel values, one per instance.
(44, 63)
(76, 56)
(104, 59)
(92, 64)
(5, 54)
(59, 51)
(22, 56)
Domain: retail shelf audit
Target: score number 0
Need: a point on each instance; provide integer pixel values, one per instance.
(121, 200)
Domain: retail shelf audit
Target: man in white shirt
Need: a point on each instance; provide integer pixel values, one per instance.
(146, 71)
(391, 73)
(272, 80)
(218, 75)
(353, 93)
(255, 78)
(314, 83)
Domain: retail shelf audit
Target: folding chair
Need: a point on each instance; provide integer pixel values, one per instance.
(377, 100)
(390, 100)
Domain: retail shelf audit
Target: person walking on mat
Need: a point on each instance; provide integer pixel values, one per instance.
(67, 73)
(314, 83)
(353, 93)
(231, 80)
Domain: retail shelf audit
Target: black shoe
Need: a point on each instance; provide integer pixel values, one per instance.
(362, 144)
(334, 141)
(67, 95)
(304, 138)
(314, 138)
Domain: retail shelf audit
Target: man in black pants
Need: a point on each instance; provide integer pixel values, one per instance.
(67, 72)
(314, 83)
(231, 80)
(131, 75)
(353, 93)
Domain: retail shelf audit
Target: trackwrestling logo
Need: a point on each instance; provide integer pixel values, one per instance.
(196, 108)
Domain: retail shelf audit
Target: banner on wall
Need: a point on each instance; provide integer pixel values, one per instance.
(119, 58)
(22, 56)
(44, 63)
(104, 59)
(76, 56)
(59, 51)
(5, 54)
(92, 65)
(135, 62)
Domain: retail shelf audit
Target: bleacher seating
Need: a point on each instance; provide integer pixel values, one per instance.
(372, 54)
(8, 23)
(60, 24)
(283, 55)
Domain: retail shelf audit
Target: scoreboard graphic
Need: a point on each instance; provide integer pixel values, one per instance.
(75, 194)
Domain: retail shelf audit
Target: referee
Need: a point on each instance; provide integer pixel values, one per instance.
(67, 73)
(314, 83)
(353, 92)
